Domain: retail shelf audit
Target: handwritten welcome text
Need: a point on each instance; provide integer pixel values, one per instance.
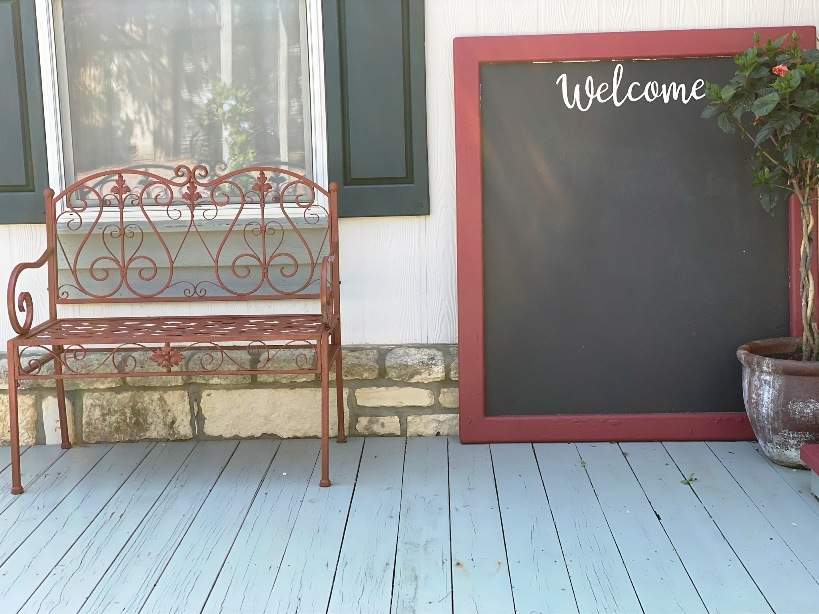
(635, 92)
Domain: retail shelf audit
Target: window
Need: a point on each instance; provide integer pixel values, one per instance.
(156, 83)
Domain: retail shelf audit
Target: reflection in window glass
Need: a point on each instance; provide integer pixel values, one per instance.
(154, 84)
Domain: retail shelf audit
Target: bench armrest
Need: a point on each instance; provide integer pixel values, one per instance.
(328, 290)
(23, 302)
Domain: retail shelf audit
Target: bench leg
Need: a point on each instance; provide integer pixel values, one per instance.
(14, 425)
(325, 414)
(58, 369)
(342, 436)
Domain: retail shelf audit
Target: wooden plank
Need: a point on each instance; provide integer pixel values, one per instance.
(480, 572)
(720, 578)
(25, 569)
(128, 581)
(786, 511)
(785, 582)
(26, 512)
(305, 576)
(364, 583)
(36, 460)
(245, 581)
(540, 579)
(422, 566)
(658, 575)
(798, 480)
(91, 555)
(599, 577)
(191, 572)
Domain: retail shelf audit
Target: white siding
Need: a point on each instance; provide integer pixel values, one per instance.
(399, 273)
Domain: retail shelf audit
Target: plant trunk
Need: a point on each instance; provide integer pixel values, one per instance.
(807, 286)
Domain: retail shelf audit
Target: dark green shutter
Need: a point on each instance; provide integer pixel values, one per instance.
(376, 105)
(23, 169)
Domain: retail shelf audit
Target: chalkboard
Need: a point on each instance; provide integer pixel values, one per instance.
(625, 252)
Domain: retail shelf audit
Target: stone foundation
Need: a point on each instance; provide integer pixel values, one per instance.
(388, 390)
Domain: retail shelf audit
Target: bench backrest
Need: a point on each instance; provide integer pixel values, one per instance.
(130, 235)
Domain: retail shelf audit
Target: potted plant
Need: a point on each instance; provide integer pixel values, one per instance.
(773, 100)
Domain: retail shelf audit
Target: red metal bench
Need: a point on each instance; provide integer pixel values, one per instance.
(134, 236)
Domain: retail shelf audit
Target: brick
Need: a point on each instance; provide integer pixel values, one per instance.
(378, 425)
(205, 360)
(448, 398)
(394, 396)
(415, 365)
(359, 364)
(100, 383)
(27, 418)
(253, 412)
(432, 424)
(45, 370)
(136, 414)
(290, 359)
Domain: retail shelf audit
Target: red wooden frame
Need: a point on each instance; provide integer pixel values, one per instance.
(469, 53)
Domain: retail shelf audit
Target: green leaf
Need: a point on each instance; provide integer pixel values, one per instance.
(764, 134)
(778, 42)
(790, 153)
(739, 109)
(759, 72)
(713, 91)
(764, 105)
(790, 123)
(725, 124)
(710, 110)
(728, 92)
(769, 199)
(806, 98)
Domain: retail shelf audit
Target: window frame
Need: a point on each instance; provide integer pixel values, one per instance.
(56, 103)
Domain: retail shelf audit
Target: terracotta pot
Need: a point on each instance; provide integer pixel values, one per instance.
(781, 398)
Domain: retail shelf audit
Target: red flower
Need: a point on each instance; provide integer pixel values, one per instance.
(780, 70)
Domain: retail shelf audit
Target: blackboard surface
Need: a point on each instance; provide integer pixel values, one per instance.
(625, 252)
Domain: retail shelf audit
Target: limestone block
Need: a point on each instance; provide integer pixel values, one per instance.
(417, 365)
(285, 412)
(432, 424)
(136, 414)
(394, 396)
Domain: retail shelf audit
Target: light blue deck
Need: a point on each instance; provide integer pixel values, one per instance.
(421, 525)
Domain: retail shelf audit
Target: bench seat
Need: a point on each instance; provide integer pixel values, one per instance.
(182, 329)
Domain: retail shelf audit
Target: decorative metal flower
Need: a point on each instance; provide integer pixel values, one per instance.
(120, 188)
(167, 357)
(191, 195)
(261, 186)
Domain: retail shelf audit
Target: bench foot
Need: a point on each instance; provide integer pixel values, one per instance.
(341, 439)
(65, 446)
(17, 490)
(325, 483)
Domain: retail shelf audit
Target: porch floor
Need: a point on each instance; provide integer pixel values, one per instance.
(410, 525)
